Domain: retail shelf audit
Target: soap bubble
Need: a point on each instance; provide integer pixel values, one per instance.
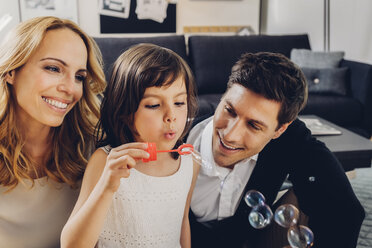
(254, 198)
(260, 216)
(196, 156)
(300, 236)
(286, 215)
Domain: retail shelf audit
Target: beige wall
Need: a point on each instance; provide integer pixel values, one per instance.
(351, 20)
(350, 24)
(217, 13)
(189, 13)
(351, 28)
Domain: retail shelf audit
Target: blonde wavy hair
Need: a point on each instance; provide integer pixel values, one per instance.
(73, 141)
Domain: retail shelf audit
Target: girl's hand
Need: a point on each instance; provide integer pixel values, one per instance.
(119, 162)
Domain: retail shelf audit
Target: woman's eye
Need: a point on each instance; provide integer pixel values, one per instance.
(80, 78)
(52, 68)
(154, 106)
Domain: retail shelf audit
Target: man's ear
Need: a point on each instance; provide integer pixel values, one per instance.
(10, 77)
(281, 130)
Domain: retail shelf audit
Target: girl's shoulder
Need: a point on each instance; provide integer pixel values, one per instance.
(99, 154)
(106, 149)
(97, 161)
(99, 157)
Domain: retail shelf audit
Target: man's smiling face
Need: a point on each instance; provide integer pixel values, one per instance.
(244, 122)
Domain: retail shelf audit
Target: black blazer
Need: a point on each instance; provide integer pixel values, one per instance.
(335, 214)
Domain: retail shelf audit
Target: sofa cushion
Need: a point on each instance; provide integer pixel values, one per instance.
(112, 47)
(212, 57)
(341, 110)
(208, 103)
(327, 80)
(312, 59)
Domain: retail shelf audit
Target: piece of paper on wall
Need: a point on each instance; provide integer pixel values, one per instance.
(152, 9)
(116, 8)
(60, 8)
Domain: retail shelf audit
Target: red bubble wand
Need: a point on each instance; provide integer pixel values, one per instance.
(182, 150)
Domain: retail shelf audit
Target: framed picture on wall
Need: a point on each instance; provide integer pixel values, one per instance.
(66, 9)
(116, 8)
(138, 21)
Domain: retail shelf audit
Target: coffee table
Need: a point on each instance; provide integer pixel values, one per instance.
(352, 150)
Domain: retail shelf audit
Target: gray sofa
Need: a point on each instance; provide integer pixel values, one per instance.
(211, 58)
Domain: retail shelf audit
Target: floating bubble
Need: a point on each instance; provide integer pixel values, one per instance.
(254, 198)
(286, 215)
(300, 237)
(260, 216)
(196, 156)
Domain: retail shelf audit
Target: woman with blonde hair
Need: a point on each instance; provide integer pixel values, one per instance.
(50, 76)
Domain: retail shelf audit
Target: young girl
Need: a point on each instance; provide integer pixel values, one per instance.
(125, 202)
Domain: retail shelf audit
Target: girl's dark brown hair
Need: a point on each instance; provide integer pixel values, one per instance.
(140, 67)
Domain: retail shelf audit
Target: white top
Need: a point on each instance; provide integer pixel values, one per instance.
(218, 190)
(147, 211)
(34, 218)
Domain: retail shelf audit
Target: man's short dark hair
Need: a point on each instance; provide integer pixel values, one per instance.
(275, 77)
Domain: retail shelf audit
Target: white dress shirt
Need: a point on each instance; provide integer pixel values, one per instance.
(218, 190)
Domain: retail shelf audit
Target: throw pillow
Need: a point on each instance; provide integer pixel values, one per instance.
(327, 81)
(311, 59)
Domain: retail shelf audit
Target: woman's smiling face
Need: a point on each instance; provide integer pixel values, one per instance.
(48, 86)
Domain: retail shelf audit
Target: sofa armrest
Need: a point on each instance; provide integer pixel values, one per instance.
(361, 89)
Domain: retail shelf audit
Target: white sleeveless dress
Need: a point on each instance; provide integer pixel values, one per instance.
(147, 211)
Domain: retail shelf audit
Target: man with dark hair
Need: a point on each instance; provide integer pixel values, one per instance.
(255, 141)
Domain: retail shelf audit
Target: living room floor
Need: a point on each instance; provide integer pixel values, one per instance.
(362, 185)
